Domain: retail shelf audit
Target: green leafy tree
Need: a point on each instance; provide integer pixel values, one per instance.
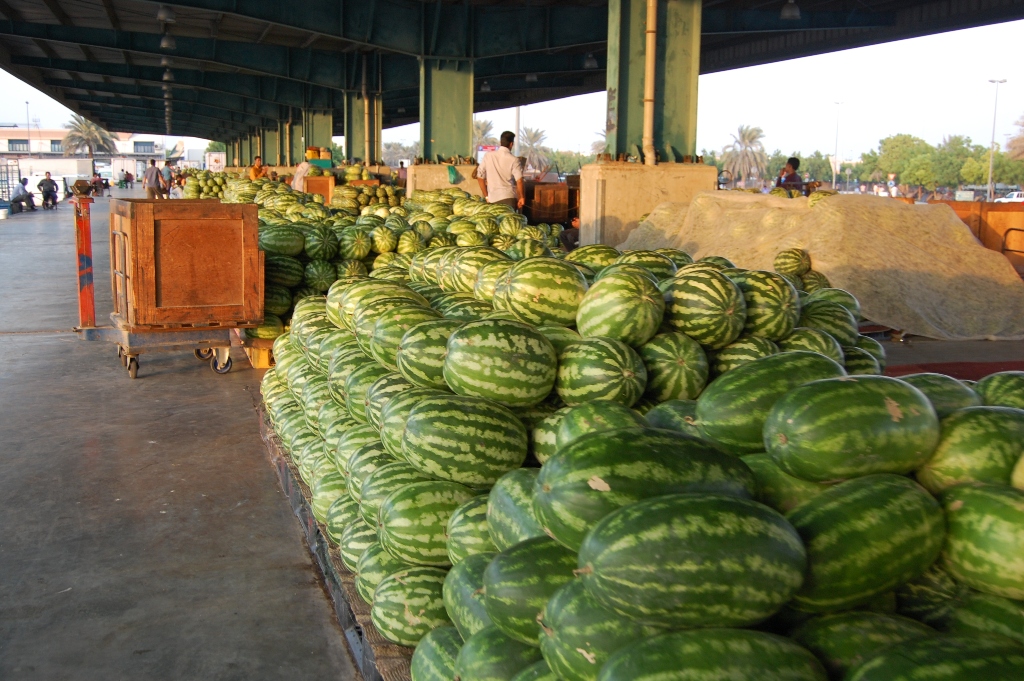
(531, 145)
(568, 162)
(745, 157)
(869, 170)
(394, 152)
(896, 152)
(775, 163)
(816, 165)
(974, 171)
(84, 135)
(711, 159)
(216, 146)
(1015, 146)
(920, 171)
(483, 133)
(337, 152)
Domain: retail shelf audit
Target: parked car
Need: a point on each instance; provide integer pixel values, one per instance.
(1012, 197)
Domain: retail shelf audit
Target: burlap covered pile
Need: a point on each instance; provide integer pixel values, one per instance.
(916, 268)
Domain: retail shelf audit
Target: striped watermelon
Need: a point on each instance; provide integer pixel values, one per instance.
(985, 542)
(321, 243)
(508, 362)
(380, 483)
(745, 548)
(979, 444)
(1003, 389)
(859, 362)
(467, 531)
(661, 266)
(487, 278)
(281, 240)
(319, 275)
(986, 614)
(742, 350)
(578, 634)
(538, 671)
(604, 471)
(391, 327)
(944, 392)
(836, 295)
(717, 261)
(342, 512)
(364, 321)
(733, 408)
(594, 256)
(421, 353)
(600, 369)
(350, 268)
(277, 299)
(395, 414)
(355, 539)
(519, 581)
(469, 264)
(706, 306)
(354, 244)
(490, 655)
(545, 291)
(847, 427)
(464, 594)
(325, 491)
(814, 281)
(510, 516)
(544, 435)
(677, 368)
(733, 654)
(407, 605)
(435, 655)
(463, 439)
(677, 256)
(844, 640)
(813, 340)
(467, 309)
(778, 489)
(931, 597)
(772, 305)
(625, 307)
(356, 385)
(380, 393)
(865, 537)
(373, 566)
(594, 417)
(365, 461)
(793, 261)
(949, 658)
(677, 415)
(559, 336)
(627, 268)
(832, 318)
(350, 442)
(413, 520)
(283, 270)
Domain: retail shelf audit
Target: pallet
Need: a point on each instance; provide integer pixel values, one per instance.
(258, 350)
(376, 658)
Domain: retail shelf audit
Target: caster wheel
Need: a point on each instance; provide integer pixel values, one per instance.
(220, 368)
(133, 367)
(121, 356)
(203, 354)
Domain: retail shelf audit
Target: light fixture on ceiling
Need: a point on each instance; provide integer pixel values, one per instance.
(531, 77)
(168, 95)
(401, 109)
(166, 15)
(485, 87)
(589, 62)
(790, 11)
(167, 42)
(168, 76)
(166, 61)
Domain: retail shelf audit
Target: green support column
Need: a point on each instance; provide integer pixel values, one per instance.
(298, 142)
(675, 90)
(355, 127)
(229, 158)
(319, 127)
(246, 148)
(271, 144)
(446, 109)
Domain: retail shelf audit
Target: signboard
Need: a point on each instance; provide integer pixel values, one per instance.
(215, 161)
(963, 195)
(482, 149)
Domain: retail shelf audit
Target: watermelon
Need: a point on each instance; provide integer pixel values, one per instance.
(844, 640)
(277, 299)
(356, 385)
(519, 581)
(408, 604)
(380, 393)
(865, 537)
(742, 350)
(836, 295)
(677, 256)
(978, 444)
(950, 658)
(435, 655)
(467, 531)
(394, 415)
(559, 336)
(355, 539)
(986, 614)
(538, 671)
(508, 362)
(350, 268)
(813, 281)
(594, 417)
(354, 244)
(510, 515)
(487, 278)
(677, 368)
(847, 427)
(464, 594)
(677, 415)
(325, 491)
(413, 520)
(624, 268)
(466, 309)
(600, 369)
(350, 442)
(733, 654)
(321, 243)
(271, 328)
(832, 318)
(469, 264)
(772, 305)
(604, 471)
(283, 270)
(874, 348)
(859, 362)
(1003, 389)
(594, 256)
(578, 634)
(813, 340)
(365, 461)
(985, 542)
(931, 597)
(717, 261)
(380, 483)
(733, 408)
(463, 439)
(661, 266)
(706, 306)
(319, 275)
(422, 350)
(373, 566)
(621, 306)
(944, 392)
(340, 514)
(490, 655)
(793, 261)
(545, 291)
(776, 488)
(391, 327)
(281, 240)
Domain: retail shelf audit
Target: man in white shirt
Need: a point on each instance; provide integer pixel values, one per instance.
(23, 196)
(501, 175)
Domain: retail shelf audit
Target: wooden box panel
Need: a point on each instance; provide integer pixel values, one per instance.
(322, 185)
(185, 263)
(998, 226)
(550, 203)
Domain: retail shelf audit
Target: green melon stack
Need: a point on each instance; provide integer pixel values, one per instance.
(649, 502)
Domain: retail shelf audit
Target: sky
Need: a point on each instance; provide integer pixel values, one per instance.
(918, 86)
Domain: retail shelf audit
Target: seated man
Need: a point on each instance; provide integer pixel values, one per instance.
(22, 196)
(788, 177)
(570, 237)
(48, 188)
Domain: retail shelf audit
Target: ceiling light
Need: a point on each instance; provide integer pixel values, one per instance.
(166, 14)
(790, 12)
(166, 61)
(531, 77)
(486, 87)
(589, 62)
(401, 109)
(167, 42)
(168, 95)
(168, 76)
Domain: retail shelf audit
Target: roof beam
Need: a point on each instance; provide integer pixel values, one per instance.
(127, 122)
(156, 109)
(728, 21)
(108, 7)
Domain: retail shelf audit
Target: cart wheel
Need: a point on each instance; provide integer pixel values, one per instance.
(203, 354)
(133, 367)
(220, 368)
(122, 356)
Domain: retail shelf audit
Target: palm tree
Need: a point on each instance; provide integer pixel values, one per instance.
(531, 145)
(745, 157)
(84, 135)
(482, 134)
(600, 145)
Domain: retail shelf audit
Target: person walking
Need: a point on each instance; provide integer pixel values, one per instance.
(166, 176)
(22, 196)
(151, 181)
(48, 188)
(501, 175)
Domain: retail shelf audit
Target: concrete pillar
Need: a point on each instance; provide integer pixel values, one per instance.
(319, 127)
(446, 109)
(355, 127)
(298, 140)
(677, 68)
(271, 146)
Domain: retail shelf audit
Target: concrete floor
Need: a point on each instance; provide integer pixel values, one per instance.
(142, 531)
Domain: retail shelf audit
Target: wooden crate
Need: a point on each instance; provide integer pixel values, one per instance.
(185, 263)
(322, 185)
(998, 226)
(550, 203)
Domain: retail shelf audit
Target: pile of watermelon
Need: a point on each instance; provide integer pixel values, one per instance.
(622, 466)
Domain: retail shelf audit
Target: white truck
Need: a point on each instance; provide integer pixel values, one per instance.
(1012, 197)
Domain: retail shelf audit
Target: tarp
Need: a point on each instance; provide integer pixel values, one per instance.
(915, 268)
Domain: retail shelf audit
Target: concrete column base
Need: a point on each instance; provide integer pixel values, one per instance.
(435, 176)
(614, 196)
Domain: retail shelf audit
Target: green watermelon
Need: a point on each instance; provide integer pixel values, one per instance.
(380, 393)
(717, 261)
(350, 442)
(281, 240)
(949, 658)
(865, 537)
(706, 306)
(874, 348)
(355, 539)
(985, 543)
(1003, 389)
(847, 427)
(733, 654)
(487, 278)
(283, 270)
(677, 256)
(545, 291)
(319, 275)
(277, 299)
(435, 655)
(356, 385)
(363, 462)
(623, 268)
(467, 531)
(986, 614)
(538, 671)
(339, 515)
(490, 655)
(832, 318)
(464, 594)
(814, 281)
(271, 328)
(931, 597)
(413, 520)
(519, 581)
(772, 305)
(677, 368)
(325, 491)
(604, 471)
(836, 295)
(408, 604)
(600, 369)
(380, 483)
(354, 244)
(559, 336)
(621, 306)
(594, 256)
(978, 444)
(733, 408)
(793, 261)
(391, 327)
(321, 243)
(677, 415)
(372, 567)
(944, 392)
(510, 515)
(661, 266)
(395, 413)
(742, 350)
(859, 362)
(420, 354)
(813, 340)
(778, 489)
(594, 417)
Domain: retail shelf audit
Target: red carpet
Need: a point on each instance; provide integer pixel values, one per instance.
(971, 371)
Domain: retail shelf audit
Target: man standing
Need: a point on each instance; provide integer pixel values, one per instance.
(23, 196)
(166, 175)
(151, 181)
(788, 177)
(48, 188)
(501, 175)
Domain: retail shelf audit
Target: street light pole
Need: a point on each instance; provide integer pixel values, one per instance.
(992, 144)
(835, 157)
